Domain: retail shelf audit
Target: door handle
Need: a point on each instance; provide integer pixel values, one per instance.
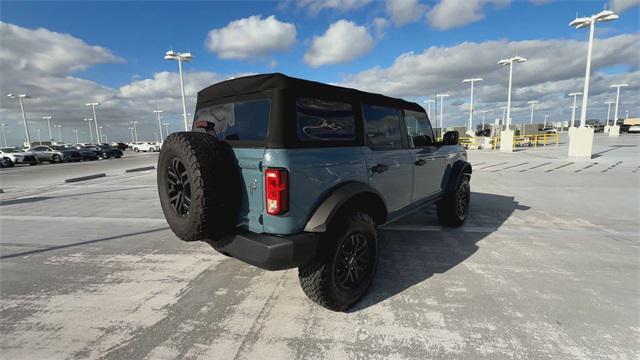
(420, 162)
(380, 168)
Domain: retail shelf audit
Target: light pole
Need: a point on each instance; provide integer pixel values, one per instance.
(609, 110)
(156, 135)
(4, 136)
(59, 126)
(24, 118)
(135, 130)
(505, 62)
(166, 128)
(533, 104)
(75, 131)
(545, 121)
(180, 57)
(95, 119)
(429, 102)
(615, 112)
(483, 112)
(158, 112)
(441, 96)
(90, 131)
(472, 81)
(573, 112)
(504, 113)
(48, 118)
(131, 130)
(100, 133)
(39, 138)
(579, 23)
(626, 116)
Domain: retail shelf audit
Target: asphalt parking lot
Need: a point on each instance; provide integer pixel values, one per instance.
(547, 266)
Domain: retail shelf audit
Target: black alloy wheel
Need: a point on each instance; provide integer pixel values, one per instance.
(352, 261)
(179, 186)
(462, 202)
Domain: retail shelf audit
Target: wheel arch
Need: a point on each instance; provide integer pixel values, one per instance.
(350, 196)
(460, 168)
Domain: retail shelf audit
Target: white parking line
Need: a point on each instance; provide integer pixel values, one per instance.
(84, 219)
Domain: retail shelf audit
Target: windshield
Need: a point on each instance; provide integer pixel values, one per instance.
(240, 120)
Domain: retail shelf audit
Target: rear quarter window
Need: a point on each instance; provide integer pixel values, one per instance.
(240, 120)
(324, 120)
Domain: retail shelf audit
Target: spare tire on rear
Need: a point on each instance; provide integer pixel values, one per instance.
(199, 186)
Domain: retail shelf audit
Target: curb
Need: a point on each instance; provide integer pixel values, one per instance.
(140, 169)
(82, 178)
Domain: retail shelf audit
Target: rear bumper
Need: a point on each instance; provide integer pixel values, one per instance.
(272, 252)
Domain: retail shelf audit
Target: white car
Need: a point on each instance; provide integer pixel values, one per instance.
(634, 129)
(144, 146)
(18, 156)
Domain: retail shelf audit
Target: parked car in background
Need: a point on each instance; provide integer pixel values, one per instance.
(119, 145)
(634, 129)
(86, 154)
(549, 130)
(55, 154)
(108, 151)
(18, 156)
(144, 146)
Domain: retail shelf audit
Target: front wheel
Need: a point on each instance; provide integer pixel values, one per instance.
(56, 159)
(453, 208)
(343, 270)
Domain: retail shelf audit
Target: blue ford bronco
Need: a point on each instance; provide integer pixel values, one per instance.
(282, 172)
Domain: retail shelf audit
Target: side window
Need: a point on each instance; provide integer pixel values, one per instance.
(417, 124)
(382, 126)
(323, 120)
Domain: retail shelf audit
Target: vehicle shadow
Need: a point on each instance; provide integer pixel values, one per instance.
(415, 248)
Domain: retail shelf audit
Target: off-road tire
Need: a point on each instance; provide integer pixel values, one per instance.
(214, 187)
(449, 209)
(319, 279)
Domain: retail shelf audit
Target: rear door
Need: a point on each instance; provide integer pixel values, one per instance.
(244, 125)
(428, 162)
(388, 160)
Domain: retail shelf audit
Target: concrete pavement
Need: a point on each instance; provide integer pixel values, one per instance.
(546, 267)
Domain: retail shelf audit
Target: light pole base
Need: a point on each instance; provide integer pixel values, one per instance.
(614, 130)
(606, 128)
(580, 142)
(506, 141)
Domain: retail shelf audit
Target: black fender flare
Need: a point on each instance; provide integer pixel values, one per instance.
(455, 172)
(326, 211)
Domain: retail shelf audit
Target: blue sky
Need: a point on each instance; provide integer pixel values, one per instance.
(138, 33)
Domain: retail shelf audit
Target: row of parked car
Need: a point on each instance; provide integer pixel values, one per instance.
(60, 153)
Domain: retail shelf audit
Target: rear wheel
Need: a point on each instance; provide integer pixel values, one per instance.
(56, 159)
(342, 271)
(199, 187)
(136, 149)
(453, 208)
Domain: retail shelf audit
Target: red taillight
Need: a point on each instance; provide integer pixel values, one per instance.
(277, 191)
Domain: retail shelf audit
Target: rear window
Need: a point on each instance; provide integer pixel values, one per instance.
(240, 120)
(323, 120)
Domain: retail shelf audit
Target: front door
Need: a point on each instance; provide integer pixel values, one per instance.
(388, 160)
(428, 162)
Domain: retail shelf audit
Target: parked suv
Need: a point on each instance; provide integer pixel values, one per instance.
(281, 172)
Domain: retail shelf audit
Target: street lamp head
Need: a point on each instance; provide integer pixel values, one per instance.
(580, 22)
(519, 59)
(533, 102)
(158, 111)
(46, 118)
(575, 94)
(618, 85)
(471, 80)
(605, 15)
(15, 96)
(93, 104)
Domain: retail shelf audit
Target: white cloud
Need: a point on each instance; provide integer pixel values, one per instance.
(42, 50)
(343, 41)
(622, 5)
(403, 12)
(448, 14)
(315, 6)
(251, 37)
(543, 77)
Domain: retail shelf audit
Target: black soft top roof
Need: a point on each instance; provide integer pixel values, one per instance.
(277, 81)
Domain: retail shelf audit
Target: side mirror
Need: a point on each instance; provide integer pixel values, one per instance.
(450, 138)
(422, 140)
